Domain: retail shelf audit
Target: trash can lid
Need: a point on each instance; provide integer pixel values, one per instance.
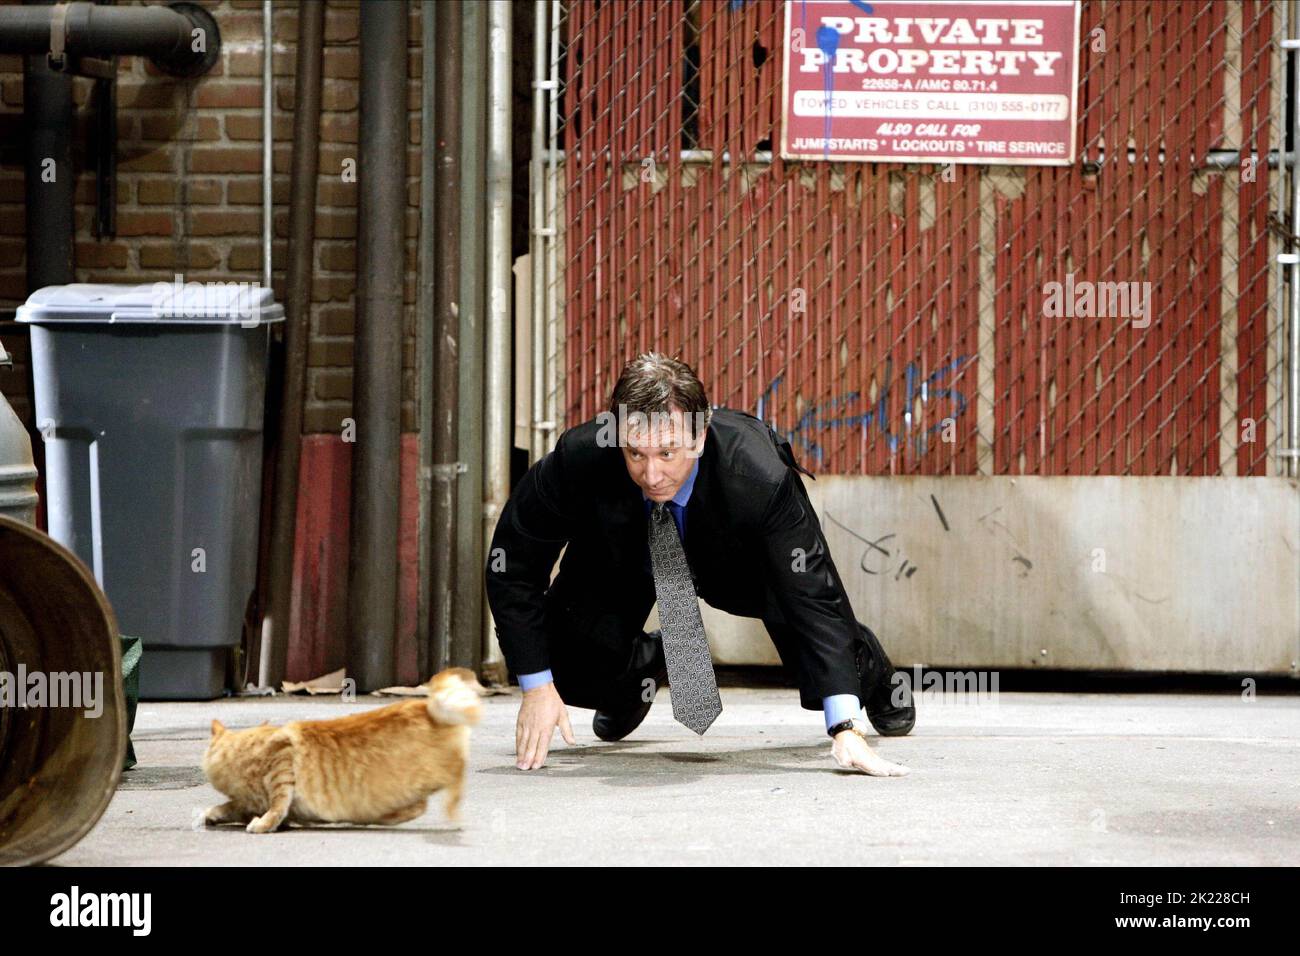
(198, 303)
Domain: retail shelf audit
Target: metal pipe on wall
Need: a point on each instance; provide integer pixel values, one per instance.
(377, 382)
(1293, 363)
(459, 649)
(273, 661)
(424, 323)
(268, 135)
(537, 433)
(69, 31)
(497, 441)
(554, 323)
(49, 179)
(469, 594)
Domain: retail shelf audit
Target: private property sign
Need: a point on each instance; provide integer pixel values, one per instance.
(955, 82)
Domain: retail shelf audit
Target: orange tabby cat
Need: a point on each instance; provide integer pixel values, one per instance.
(379, 766)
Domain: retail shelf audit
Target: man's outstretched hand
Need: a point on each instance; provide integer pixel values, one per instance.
(851, 752)
(540, 713)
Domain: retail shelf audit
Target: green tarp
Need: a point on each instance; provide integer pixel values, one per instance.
(132, 647)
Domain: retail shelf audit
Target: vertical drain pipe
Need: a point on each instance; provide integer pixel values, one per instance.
(459, 649)
(1293, 418)
(469, 591)
(273, 662)
(50, 179)
(426, 658)
(537, 432)
(498, 439)
(268, 136)
(377, 382)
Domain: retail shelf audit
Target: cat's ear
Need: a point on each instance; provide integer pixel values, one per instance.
(217, 728)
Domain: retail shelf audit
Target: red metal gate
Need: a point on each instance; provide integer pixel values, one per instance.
(889, 317)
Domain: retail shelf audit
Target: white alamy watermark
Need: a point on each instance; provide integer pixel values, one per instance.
(79, 690)
(75, 908)
(199, 300)
(614, 429)
(1098, 300)
(938, 687)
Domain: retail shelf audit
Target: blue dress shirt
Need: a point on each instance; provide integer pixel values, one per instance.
(836, 708)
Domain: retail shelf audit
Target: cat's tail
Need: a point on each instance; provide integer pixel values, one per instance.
(454, 696)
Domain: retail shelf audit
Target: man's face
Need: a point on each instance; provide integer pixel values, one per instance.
(659, 454)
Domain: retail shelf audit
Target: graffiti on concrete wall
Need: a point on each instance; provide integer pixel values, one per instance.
(892, 420)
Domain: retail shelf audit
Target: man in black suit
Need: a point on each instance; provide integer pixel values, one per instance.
(747, 532)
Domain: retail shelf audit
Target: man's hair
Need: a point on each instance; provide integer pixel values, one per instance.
(653, 382)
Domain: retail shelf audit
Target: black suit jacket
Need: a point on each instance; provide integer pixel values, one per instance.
(752, 540)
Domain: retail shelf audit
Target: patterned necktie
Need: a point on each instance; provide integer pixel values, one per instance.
(686, 651)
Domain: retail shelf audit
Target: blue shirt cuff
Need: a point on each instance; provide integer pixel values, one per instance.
(529, 681)
(838, 708)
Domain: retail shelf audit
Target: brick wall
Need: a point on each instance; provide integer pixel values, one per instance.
(190, 188)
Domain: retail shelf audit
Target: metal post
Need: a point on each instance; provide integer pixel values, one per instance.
(555, 381)
(537, 433)
(498, 438)
(457, 649)
(1293, 418)
(297, 332)
(376, 402)
(50, 178)
(268, 136)
(470, 595)
(425, 663)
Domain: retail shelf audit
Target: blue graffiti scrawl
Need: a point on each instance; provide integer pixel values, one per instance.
(839, 412)
(828, 41)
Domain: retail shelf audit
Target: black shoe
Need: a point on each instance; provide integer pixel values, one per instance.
(647, 664)
(888, 700)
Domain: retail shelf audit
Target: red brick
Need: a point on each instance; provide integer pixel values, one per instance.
(336, 223)
(322, 417)
(11, 91)
(245, 257)
(245, 126)
(154, 192)
(101, 255)
(331, 190)
(131, 223)
(146, 160)
(247, 190)
(229, 94)
(185, 127)
(342, 62)
(333, 288)
(202, 192)
(149, 95)
(341, 25)
(336, 256)
(13, 286)
(224, 222)
(12, 252)
(12, 221)
(334, 319)
(338, 127)
(226, 159)
(189, 256)
(331, 383)
(330, 353)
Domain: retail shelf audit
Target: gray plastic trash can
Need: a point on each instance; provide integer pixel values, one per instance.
(150, 402)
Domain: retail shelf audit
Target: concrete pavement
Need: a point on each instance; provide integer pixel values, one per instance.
(1107, 779)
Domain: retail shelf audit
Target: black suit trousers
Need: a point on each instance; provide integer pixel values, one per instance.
(599, 657)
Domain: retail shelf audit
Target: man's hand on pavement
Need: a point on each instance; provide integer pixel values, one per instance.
(851, 752)
(540, 713)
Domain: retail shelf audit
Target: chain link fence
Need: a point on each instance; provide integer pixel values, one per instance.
(893, 318)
